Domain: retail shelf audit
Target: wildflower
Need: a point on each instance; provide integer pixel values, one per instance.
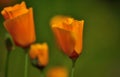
(68, 33)
(39, 52)
(57, 72)
(19, 23)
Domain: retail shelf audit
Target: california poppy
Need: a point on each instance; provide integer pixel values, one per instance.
(68, 33)
(20, 24)
(39, 52)
(57, 72)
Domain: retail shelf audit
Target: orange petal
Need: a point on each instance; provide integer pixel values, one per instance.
(33, 51)
(5, 13)
(21, 29)
(32, 36)
(43, 55)
(69, 33)
(18, 10)
(40, 51)
(62, 22)
(14, 11)
(77, 34)
(65, 40)
(57, 72)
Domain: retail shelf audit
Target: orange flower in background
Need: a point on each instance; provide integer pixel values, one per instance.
(39, 52)
(20, 24)
(57, 72)
(68, 33)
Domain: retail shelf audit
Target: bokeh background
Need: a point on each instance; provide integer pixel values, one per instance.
(101, 39)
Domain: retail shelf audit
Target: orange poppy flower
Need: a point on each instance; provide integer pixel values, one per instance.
(57, 72)
(19, 23)
(39, 52)
(68, 33)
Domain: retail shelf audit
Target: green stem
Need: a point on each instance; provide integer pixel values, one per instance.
(42, 73)
(6, 66)
(10, 47)
(26, 65)
(72, 72)
(73, 67)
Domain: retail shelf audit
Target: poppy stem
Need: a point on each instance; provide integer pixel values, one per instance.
(42, 73)
(6, 66)
(26, 64)
(72, 72)
(73, 67)
(9, 47)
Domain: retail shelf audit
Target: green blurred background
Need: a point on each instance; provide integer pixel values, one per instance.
(101, 49)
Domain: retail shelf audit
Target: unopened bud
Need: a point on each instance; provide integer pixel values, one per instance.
(9, 43)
